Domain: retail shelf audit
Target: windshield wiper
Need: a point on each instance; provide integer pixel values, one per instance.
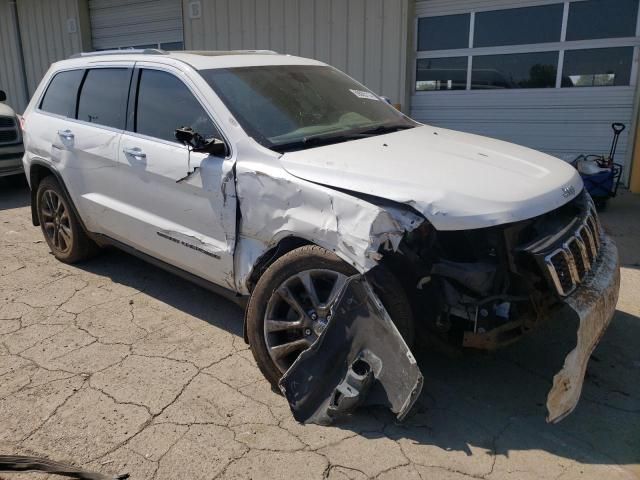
(382, 129)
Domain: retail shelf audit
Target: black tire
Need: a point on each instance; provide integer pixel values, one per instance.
(62, 231)
(310, 257)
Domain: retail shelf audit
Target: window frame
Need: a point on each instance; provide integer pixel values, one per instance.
(179, 75)
(560, 47)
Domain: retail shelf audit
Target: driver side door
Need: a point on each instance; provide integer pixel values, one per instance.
(174, 204)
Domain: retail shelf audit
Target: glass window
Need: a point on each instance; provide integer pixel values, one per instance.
(518, 26)
(103, 98)
(518, 70)
(165, 103)
(288, 107)
(62, 93)
(172, 46)
(602, 19)
(597, 67)
(442, 33)
(441, 74)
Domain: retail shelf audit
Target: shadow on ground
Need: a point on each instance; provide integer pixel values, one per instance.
(473, 404)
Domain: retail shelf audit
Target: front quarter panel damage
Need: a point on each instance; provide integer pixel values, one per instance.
(359, 354)
(275, 205)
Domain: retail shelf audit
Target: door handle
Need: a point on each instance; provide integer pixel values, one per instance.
(135, 152)
(66, 134)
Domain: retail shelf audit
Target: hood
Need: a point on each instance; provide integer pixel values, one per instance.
(458, 181)
(6, 110)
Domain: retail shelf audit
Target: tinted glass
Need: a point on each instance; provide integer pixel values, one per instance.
(602, 19)
(172, 46)
(62, 93)
(165, 103)
(442, 33)
(518, 26)
(598, 67)
(519, 70)
(103, 99)
(285, 105)
(441, 74)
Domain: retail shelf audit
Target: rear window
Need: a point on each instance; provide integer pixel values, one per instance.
(103, 99)
(60, 97)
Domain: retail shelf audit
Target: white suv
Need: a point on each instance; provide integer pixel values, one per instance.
(300, 193)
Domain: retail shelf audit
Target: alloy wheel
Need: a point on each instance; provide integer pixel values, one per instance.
(56, 222)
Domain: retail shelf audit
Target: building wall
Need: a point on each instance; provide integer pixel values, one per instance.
(561, 121)
(365, 38)
(11, 73)
(51, 30)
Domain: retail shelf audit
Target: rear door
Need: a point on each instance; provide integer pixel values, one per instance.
(177, 205)
(77, 127)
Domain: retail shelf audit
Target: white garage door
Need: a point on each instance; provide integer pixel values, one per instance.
(136, 23)
(547, 74)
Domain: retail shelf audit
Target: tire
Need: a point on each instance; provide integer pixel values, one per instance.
(312, 261)
(62, 231)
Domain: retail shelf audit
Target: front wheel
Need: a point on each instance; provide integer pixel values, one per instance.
(293, 301)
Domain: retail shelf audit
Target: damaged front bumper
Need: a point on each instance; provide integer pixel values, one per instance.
(594, 302)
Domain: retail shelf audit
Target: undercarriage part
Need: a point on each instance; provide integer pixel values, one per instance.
(359, 354)
(10, 463)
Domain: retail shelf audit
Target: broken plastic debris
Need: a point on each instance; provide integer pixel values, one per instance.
(359, 357)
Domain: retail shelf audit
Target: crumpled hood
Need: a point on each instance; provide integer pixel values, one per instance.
(457, 180)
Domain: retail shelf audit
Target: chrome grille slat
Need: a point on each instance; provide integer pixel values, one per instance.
(569, 265)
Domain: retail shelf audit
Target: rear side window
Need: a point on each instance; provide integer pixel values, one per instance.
(103, 98)
(165, 103)
(60, 97)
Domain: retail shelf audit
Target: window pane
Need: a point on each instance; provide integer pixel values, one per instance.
(518, 26)
(442, 33)
(602, 19)
(171, 46)
(103, 99)
(441, 74)
(165, 103)
(519, 70)
(598, 67)
(62, 93)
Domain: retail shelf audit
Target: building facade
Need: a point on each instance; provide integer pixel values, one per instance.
(549, 74)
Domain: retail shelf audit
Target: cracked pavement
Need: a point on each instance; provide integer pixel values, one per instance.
(117, 366)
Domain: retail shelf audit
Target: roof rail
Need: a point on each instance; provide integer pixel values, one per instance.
(124, 51)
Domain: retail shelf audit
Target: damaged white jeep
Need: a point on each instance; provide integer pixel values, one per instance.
(345, 227)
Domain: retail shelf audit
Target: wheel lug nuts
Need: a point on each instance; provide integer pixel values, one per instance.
(307, 331)
(314, 316)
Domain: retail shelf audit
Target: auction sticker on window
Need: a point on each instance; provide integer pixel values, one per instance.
(363, 94)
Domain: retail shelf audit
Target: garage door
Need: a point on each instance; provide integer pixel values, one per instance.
(550, 75)
(136, 23)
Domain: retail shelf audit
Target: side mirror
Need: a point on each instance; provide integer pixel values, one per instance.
(3, 96)
(212, 146)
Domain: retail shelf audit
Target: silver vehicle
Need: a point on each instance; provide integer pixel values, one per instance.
(11, 149)
(344, 226)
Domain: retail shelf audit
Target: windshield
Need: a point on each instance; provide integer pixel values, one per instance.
(290, 107)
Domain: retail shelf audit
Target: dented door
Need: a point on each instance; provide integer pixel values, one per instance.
(360, 358)
(176, 205)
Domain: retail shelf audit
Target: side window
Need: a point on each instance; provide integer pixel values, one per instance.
(103, 98)
(60, 97)
(165, 103)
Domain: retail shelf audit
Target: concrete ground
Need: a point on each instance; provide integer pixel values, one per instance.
(117, 366)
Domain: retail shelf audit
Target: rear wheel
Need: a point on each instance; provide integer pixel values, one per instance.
(61, 229)
(294, 299)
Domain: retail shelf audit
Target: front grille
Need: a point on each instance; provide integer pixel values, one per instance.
(569, 264)
(8, 130)
(7, 122)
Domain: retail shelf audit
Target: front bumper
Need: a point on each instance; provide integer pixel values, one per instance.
(594, 301)
(11, 160)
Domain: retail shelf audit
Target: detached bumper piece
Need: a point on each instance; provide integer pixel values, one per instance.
(594, 302)
(359, 355)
